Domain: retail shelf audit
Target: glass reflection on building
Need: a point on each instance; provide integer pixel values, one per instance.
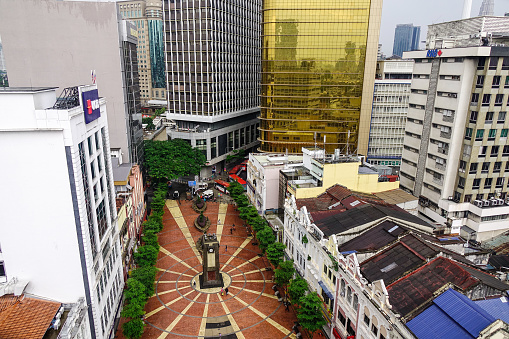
(155, 33)
(313, 63)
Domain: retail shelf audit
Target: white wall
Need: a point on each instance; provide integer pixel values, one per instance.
(38, 232)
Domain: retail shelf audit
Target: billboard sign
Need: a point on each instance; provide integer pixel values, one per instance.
(91, 105)
(433, 53)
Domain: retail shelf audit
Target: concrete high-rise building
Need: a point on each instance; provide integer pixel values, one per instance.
(406, 38)
(318, 70)
(456, 154)
(65, 244)
(487, 8)
(213, 65)
(390, 108)
(60, 43)
(148, 18)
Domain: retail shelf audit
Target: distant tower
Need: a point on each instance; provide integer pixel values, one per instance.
(487, 7)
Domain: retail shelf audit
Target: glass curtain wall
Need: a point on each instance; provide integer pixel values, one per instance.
(313, 59)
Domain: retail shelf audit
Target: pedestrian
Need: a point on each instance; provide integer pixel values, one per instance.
(226, 290)
(226, 248)
(218, 221)
(222, 291)
(233, 227)
(231, 230)
(287, 304)
(194, 283)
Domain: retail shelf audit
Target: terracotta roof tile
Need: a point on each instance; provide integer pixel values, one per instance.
(24, 317)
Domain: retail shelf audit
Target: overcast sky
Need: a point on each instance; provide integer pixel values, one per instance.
(423, 13)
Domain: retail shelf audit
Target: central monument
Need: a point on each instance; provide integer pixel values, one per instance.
(211, 277)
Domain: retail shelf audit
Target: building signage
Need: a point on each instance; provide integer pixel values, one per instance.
(91, 105)
(433, 53)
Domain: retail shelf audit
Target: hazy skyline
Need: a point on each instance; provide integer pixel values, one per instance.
(424, 13)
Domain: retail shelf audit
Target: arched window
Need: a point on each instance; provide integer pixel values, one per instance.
(355, 304)
(342, 288)
(349, 295)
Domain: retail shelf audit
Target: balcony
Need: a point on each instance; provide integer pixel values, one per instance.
(445, 135)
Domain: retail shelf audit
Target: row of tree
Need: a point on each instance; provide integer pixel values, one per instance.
(140, 285)
(307, 305)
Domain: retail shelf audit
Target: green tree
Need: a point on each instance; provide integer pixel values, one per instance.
(284, 273)
(258, 224)
(235, 154)
(265, 238)
(133, 329)
(150, 238)
(152, 226)
(160, 111)
(297, 289)
(166, 160)
(242, 201)
(309, 314)
(146, 276)
(134, 299)
(150, 123)
(275, 253)
(248, 212)
(236, 190)
(146, 255)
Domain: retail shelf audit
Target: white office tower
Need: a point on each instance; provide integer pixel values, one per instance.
(58, 215)
(456, 151)
(487, 7)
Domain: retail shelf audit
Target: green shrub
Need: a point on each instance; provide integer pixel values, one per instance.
(146, 256)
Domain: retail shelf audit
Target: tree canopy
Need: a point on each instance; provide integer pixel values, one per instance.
(265, 238)
(284, 273)
(235, 189)
(172, 159)
(309, 314)
(297, 289)
(275, 253)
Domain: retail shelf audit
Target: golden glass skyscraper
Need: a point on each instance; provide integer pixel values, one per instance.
(318, 69)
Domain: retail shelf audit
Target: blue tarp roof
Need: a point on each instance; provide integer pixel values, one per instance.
(498, 308)
(452, 315)
(326, 290)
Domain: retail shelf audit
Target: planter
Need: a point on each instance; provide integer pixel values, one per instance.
(203, 224)
(200, 206)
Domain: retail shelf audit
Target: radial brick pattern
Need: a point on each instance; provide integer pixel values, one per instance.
(179, 309)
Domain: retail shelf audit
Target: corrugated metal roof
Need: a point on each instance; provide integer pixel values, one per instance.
(498, 308)
(452, 315)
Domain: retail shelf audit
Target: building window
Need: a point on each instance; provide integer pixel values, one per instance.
(481, 63)
(473, 168)
(497, 166)
(492, 134)
(499, 99)
(479, 134)
(493, 63)
(494, 151)
(468, 133)
(342, 290)
(503, 133)
(487, 183)
(489, 118)
(2, 269)
(496, 81)
(461, 182)
(485, 167)
(482, 151)
(374, 329)
(349, 295)
(366, 319)
(213, 147)
(201, 144)
(500, 183)
(468, 198)
(476, 183)
(475, 99)
(473, 116)
(506, 167)
(102, 223)
(486, 98)
(501, 118)
(480, 81)
(341, 318)
(505, 151)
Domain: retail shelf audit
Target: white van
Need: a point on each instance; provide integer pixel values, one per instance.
(208, 194)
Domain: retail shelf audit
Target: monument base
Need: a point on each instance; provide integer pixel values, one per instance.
(211, 283)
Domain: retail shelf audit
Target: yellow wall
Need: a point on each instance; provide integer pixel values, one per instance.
(347, 174)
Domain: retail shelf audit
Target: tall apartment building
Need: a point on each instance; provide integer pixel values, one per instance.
(318, 68)
(487, 7)
(390, 108)
(64, 241)
(213, 58)
(148, 18)
(406, 38)
(60, 43)
(456, 154)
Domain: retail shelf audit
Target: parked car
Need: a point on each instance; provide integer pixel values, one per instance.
(176, 195)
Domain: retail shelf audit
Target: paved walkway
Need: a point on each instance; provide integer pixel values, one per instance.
(179, 309)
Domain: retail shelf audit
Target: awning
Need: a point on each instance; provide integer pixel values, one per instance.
(326, 290)
(336, 334)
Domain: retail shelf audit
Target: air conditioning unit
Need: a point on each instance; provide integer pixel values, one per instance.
(485, 202)
(500, 202)
(494, 202)
(478, 203)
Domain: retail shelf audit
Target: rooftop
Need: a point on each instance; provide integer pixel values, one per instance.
(414, 290)
(451, 315)
(25, 317)
(396, 196)
(364, 214)
(25, 89)
(496, 307)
